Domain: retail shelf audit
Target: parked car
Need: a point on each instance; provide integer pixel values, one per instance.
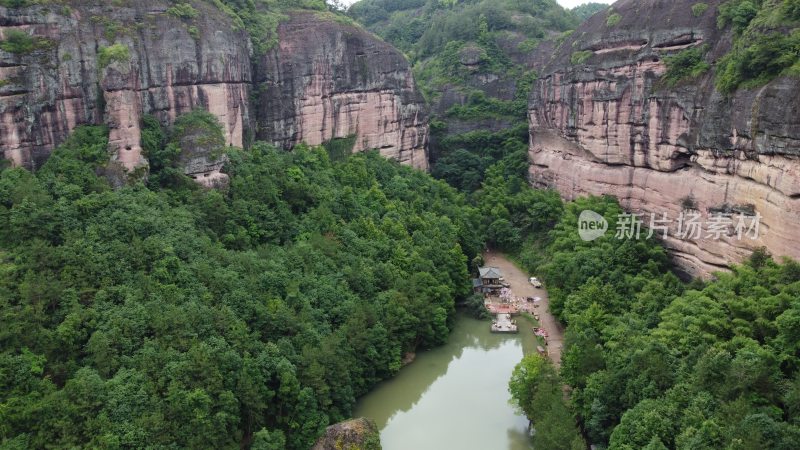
(535, 282)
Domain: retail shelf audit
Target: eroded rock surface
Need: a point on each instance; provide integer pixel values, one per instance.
(324, 80)
(612, 126)
(167, 72)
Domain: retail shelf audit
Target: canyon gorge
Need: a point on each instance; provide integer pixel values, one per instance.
(608, 124)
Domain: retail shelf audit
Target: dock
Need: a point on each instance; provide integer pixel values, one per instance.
(502, 308)
(504, 324)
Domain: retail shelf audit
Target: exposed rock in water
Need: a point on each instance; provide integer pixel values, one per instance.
(612, 126)
(355, 434)
(114, 64)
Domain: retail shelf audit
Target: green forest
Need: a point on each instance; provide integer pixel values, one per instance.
(163, 315)
(454, 47)
(653, 362)
(766, 42)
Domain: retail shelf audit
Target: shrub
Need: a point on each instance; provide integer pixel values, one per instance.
(479, 106)
(340, 148)
(183, 11)
(528, 45)
(756, 64)
(689, 63)
(739, 13)
(791, 9)
(698, 9)
(688, 203)
(14, 3)
(114, 53)
(21, 43)
(613, 20)
(17, 42)
(581, 57)
(112, 28)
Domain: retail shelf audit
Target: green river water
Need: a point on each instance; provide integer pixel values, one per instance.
(455, 396)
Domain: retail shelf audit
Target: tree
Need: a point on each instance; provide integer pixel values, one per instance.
(535, 388)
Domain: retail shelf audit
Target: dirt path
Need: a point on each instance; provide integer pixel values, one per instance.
(522, 288)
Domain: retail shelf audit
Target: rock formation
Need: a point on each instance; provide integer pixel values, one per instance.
(163, 70)
(325, 80)
(113, 64)
(611, 125)
(355, 434)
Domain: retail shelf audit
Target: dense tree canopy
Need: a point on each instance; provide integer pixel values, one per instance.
(536, 389)
(172, 316)
(656, 363)
(766, 42)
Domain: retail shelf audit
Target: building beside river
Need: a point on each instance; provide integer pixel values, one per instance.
(489, 281)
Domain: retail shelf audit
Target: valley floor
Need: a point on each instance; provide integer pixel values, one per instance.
(520, 286)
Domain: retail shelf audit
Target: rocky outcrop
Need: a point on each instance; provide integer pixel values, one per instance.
(114, 64)
(610, 125)
(355, 434)
(325, 80)
(162, 69)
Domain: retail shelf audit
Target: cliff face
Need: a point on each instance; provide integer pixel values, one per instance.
(612, 126)
(113, 64)
(326, 80)
(72, 80)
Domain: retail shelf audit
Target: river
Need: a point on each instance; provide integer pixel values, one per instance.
(454, 396)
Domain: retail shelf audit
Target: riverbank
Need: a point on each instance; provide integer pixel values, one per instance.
(518, 280)
(455, 395)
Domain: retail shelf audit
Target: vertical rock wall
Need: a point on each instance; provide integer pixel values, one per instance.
(323, 80)
(168, 71)
(326, 80)
(611, 126)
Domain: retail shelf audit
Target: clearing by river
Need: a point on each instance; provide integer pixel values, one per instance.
(521, 287)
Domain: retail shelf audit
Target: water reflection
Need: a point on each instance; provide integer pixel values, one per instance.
(454, 396)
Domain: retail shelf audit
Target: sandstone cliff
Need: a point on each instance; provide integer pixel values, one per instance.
(113, 64)
(610, 125)
(325, 80)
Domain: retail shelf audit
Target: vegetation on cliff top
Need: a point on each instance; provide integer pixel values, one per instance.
(261, 19)
(586, 10)
(422, 28)
(766, 43)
